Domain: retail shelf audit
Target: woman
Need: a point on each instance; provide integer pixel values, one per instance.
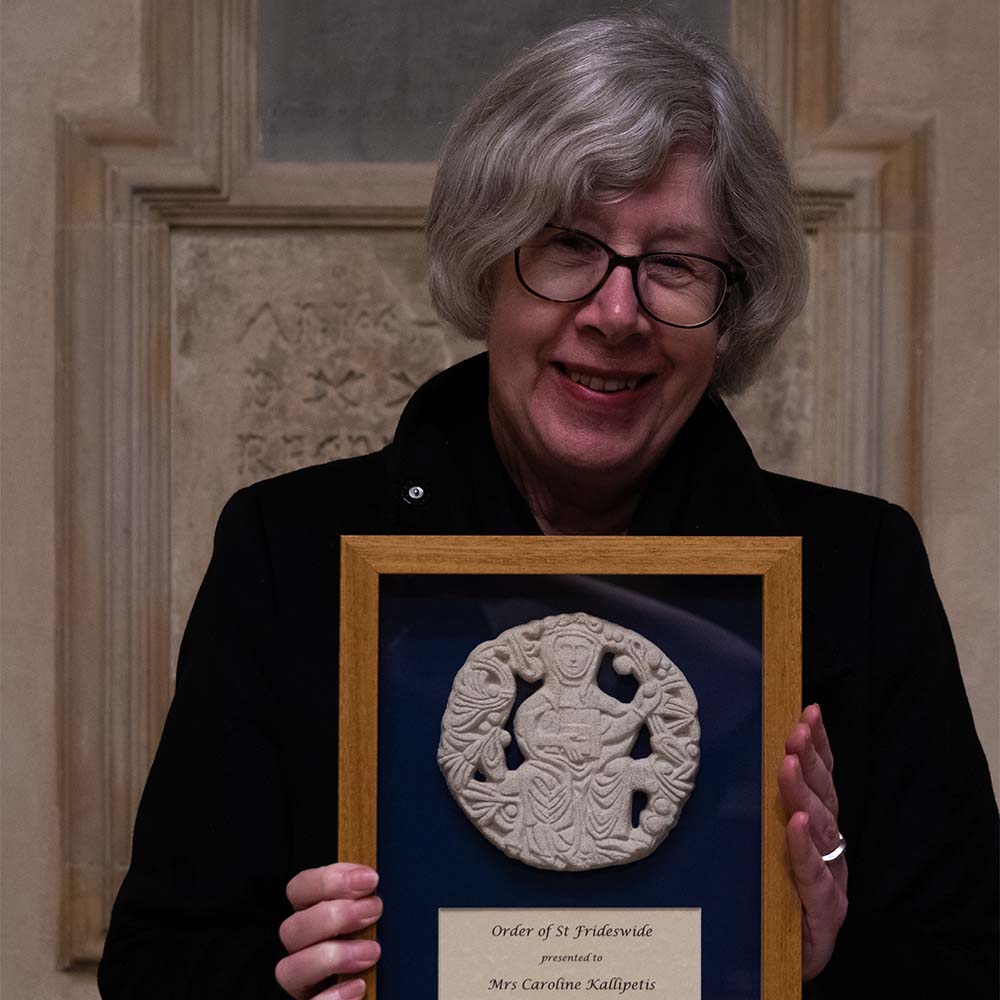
(613, 214)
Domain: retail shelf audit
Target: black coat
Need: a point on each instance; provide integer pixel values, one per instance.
(242, 792)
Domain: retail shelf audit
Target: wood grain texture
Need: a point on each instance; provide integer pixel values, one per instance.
(781, 938)
(357, 811)
(777, 561)
(358, 706)
(601, 554)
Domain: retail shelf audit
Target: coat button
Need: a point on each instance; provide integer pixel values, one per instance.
(414, 494)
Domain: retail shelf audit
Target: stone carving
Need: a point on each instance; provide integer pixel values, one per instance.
(301, 347)
(569, 805)
(289, 348)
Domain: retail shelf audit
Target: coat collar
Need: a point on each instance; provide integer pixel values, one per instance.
(445, 476)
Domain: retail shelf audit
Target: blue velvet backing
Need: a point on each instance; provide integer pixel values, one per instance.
(710, 627)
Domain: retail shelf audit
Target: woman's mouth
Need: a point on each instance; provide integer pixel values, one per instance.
(609, 383)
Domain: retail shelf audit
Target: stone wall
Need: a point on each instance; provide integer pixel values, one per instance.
(55, 54)
(939, 59)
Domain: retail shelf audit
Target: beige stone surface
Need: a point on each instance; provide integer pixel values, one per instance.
(288, 348)
(940, 59)
(55, 53)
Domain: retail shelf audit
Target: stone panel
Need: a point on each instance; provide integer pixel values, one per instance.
(289, 348)
(382, 82)
(55, 53)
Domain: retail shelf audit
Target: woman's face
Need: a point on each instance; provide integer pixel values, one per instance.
(540, 409)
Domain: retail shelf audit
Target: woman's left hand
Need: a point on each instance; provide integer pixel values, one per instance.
(806, 784)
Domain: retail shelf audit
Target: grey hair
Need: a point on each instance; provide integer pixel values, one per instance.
(591, 113)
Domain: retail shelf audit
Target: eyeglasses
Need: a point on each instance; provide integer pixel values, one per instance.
(680, 289)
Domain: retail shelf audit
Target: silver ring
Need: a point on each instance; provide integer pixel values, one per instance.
(837, 851)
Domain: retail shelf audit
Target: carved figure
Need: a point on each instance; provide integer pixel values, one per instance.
(568, 806)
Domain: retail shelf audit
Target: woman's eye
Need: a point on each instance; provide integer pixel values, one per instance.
(671, 269)
(571, 243)
(671, 264)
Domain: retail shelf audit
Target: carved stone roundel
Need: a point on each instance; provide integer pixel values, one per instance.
(569, 805)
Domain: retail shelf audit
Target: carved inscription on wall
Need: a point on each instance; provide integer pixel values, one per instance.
(288, 349)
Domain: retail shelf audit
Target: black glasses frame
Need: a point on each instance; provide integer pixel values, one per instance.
(732, 272)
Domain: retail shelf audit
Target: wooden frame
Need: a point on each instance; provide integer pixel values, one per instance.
(777, 561)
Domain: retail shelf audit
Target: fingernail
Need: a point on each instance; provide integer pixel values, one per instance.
(362, 880)
(352, 989)
(366, 952)
(368, 908)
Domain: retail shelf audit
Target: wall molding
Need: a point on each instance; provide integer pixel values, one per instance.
(863, 183)
(127, 176)
(186, 156)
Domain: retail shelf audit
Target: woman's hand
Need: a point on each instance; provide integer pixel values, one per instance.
(806, 783)
(329, 902)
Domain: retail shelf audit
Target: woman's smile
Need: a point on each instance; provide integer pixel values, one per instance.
(602, 381)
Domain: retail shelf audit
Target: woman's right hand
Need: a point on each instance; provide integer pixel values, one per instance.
(329, 902)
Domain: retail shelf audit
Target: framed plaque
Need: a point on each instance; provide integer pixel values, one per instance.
(561, 755)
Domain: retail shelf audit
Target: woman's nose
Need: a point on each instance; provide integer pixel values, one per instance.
(614, 309)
